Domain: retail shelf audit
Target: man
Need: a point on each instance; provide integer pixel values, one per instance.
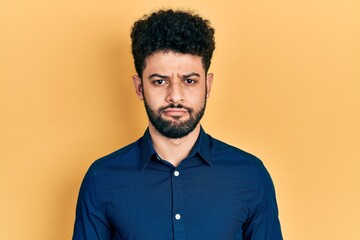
(176, 182)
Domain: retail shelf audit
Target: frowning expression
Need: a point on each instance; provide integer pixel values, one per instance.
(174, 88)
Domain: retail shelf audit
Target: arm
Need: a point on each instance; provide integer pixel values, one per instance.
(91, 222)
(263, 222)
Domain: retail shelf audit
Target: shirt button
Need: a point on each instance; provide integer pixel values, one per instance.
(176, 173)
(177, 216)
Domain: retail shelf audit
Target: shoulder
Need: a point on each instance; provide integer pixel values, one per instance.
(238, 162)
(226, 152)
(127, 156)
(116, 165)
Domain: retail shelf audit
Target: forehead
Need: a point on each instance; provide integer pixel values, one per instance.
(170, 62)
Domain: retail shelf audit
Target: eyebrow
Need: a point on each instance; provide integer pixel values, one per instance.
(191, 74)
(158, 75)
(183, 76)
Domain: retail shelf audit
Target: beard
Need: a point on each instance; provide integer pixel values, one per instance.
(175, 128)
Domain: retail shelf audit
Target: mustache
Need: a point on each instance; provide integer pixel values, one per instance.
(172, 105)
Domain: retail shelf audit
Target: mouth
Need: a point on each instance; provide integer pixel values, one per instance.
(175, 112)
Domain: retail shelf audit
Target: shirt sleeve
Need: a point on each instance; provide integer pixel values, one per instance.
(91, 222)
(263, 222)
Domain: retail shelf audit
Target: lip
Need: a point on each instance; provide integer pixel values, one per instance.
(175, 112)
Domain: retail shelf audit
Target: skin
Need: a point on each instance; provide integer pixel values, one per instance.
(173, 78)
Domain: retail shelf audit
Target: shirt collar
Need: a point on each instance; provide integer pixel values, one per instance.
(146, 148)
(202, 147)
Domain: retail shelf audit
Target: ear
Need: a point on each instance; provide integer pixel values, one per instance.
(209, 81)
(138, 86)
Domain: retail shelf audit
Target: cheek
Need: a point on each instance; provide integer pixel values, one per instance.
(197, 99)
(154, 98)
(198, 93)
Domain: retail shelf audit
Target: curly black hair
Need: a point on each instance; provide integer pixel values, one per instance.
(172, 30)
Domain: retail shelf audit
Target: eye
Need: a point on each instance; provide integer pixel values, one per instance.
(159, 82)
(189, 81)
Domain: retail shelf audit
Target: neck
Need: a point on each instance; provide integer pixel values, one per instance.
(173, 150)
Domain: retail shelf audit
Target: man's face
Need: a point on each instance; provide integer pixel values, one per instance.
(174, 89)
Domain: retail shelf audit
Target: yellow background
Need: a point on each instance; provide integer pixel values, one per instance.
(286, 89)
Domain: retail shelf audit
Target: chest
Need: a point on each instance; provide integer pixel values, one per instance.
(192, 203)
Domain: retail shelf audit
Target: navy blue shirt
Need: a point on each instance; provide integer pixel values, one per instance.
(218, 192)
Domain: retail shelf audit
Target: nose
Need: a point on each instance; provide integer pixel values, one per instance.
(175, 93)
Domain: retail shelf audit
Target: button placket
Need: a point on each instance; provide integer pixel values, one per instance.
(178, 203)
